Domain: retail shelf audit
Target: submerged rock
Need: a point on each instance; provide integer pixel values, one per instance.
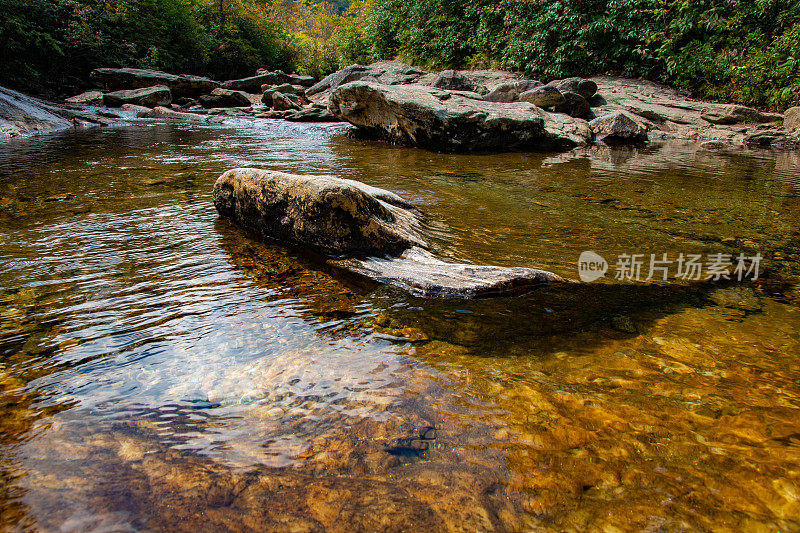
(115, 79)
(421, 273)
(158, 95)
(363, 229)
(440, 120)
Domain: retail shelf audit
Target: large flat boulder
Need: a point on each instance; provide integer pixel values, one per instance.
(362, 229)
(327, 214)
(115, 79)
(158, 95)
(447, 121)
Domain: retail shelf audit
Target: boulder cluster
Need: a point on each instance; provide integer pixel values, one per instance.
(158, 94)
(452, 111)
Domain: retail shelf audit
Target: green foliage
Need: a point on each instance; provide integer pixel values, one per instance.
(745, 51)
(46, 42)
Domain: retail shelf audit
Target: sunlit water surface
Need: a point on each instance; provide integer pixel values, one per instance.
(161, 370)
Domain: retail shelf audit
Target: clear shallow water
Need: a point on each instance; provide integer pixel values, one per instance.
(160, 370)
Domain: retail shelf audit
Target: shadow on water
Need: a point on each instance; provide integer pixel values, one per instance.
(484, 325)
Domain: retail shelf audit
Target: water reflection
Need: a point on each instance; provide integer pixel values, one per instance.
(161, 370)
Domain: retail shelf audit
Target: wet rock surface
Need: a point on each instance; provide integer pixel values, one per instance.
(378, 232)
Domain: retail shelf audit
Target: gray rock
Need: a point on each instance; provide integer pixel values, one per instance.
(421, 273)
(225, 98)
(510, 91)
(147, 97)
(87, 98)
(574, 105)
(618, 127)
(544, 96)
(327, 214)
(417, 115)
(285, 102)
(737, 114)
(791, 118)
(455, 81)
(583, 87)
(253, 83)
(23, 115)
(332, 81)
(137, 111)
(167, 113)
(285, 88)
(780, 139)
(376, 231)
(311, 114)
(278, 77)
(114, 79)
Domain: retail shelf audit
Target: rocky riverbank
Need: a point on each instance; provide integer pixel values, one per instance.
(452, 111)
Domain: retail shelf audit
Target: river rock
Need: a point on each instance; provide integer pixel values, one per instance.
(285, 88)
(455, 81)
(334, 80)
(114, 79)
(225, 98)
(165, 112)
(285, 102)
(574, 105)
(618, 127)
(87, 98)
(778, 138)
(583, 87)
(253, 84)
(510, 91)
(421, 273)
(23, 115)
(737, 114)
(158, 95)
(383, 72)
(278, 77)
(791, 118)
(311, 114)
(362, 229)
(422, 116)
(544, 96)
(329, 215)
